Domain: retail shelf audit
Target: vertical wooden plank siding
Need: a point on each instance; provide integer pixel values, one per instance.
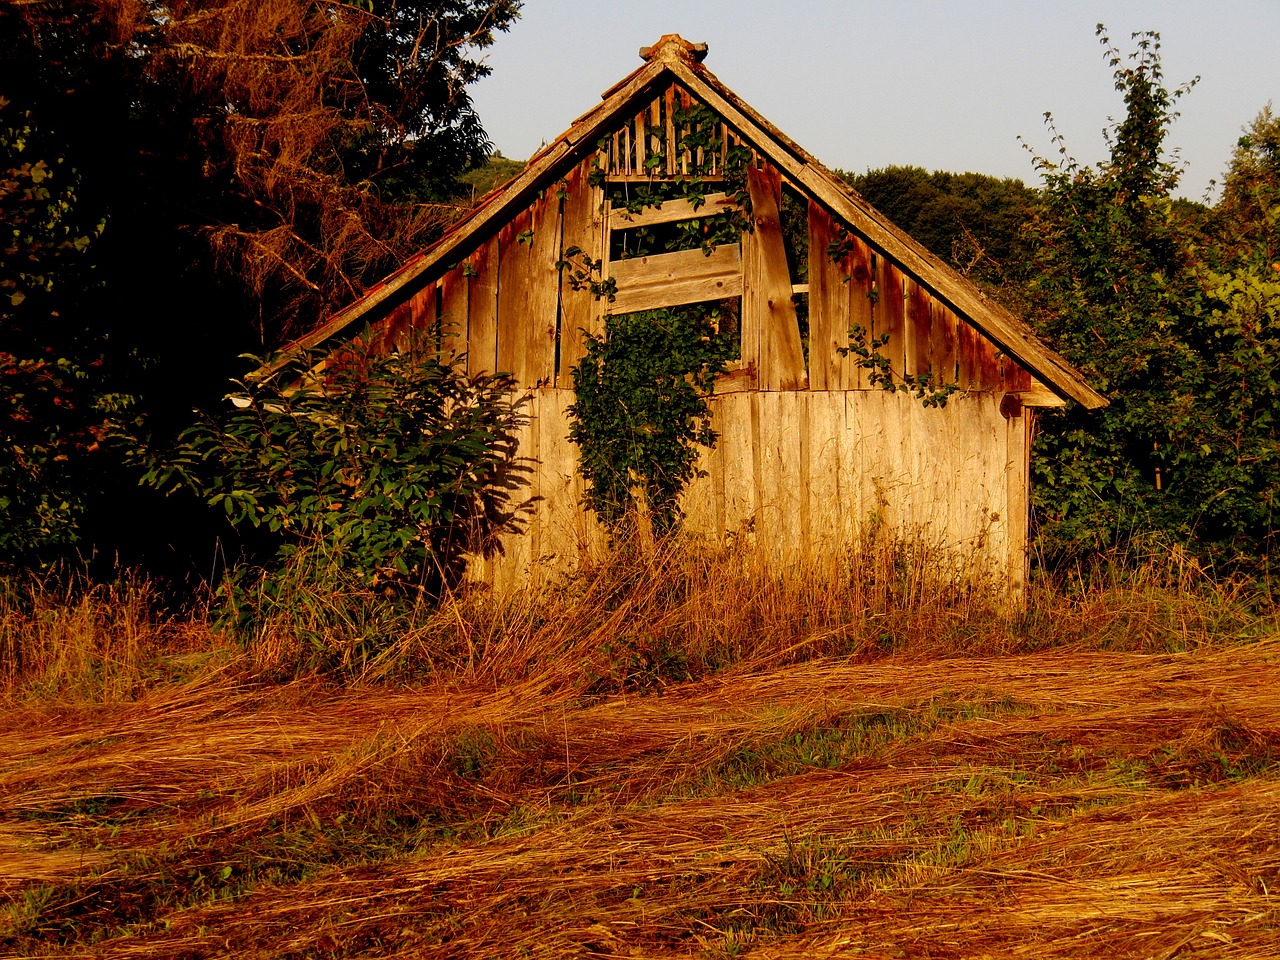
(829, 305)
(989, 374)
(1018, 377)
(1018, 475)
(827, 495)
(558, 547)
(510, 568)
(581, 314)
(777, 505)
(890, 316)
(482, 310)
(861, 307)
(543, 292)
(423, 324)
(799, 475)
(454, 293)
(968, 359)
(919, 352)
(395, 330)
(669, 106)
(944, 345)
(733, 423)
(528, 292)
(767, 309)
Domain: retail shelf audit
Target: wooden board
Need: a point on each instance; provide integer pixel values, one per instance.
(968, 356)
(918, 359)
(670, 279)
(826, 493)
(529, 292)
(829, 306)
(891, 315)
(1018, 477)
(799, 476)
(861, 306)
(733, 421)
(767, 309)
(454, 294)
(944, 345)
(581, 313)
(671, 211)
(482, 309)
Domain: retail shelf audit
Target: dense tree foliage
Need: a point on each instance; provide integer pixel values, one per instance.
(389, 467)
(1177, 327)
(240, 167)
(972, 221)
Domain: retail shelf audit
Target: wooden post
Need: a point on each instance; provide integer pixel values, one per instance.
(770, 330)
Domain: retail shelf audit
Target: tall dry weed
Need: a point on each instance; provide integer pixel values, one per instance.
(65, 638)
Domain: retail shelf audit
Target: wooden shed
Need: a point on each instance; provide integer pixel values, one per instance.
(811, 447)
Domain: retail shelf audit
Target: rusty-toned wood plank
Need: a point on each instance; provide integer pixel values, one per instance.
(988, 364)
(891, 316)
(767, 308)
(423, 327)
(513, 260)
(944, 345)
(482, 309)
(918, 358)
(395, 330)
(1017, 378)
(968, 362)
(829, 304)
(452, 326)
(670, 279)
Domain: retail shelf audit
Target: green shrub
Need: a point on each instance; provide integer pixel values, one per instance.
(390, 467)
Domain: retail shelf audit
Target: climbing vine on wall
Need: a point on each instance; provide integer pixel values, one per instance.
(641, 409)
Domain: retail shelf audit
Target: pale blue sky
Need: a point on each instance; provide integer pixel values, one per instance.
(942, 85)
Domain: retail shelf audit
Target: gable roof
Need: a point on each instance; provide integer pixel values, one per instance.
(675, 59)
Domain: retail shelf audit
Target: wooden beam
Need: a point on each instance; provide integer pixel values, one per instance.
(767, 308)
(671, 211)
(828, 290)
(670, 279)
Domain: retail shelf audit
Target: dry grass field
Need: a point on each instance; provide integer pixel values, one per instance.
(677, 758)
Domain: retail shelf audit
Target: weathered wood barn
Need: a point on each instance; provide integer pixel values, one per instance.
(811, 445)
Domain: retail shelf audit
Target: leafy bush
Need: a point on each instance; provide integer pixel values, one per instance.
(1187, 355)
(391, 467)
